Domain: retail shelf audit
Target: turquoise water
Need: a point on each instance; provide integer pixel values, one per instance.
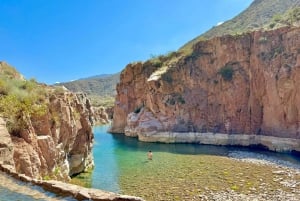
(119, 159)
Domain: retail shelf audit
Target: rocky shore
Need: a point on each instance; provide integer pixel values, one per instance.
(287, 168)
(277, 195)
(292, 183)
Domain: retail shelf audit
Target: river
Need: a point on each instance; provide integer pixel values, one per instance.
(176, 172)
(121, 166)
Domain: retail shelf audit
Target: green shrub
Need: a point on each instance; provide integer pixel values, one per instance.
(167, 77)
(46, 178)
(272, 25)
(138, 109)
(227, 72)
(172, 54)
(293, 15)
(19, 100)
(16, 109)
(8, 71)
(180, 99)
(55, 118)
(157, 63)
(290, 17)
(3, 87)
(277, 18)
(29, 85)
(57, 171)
(59, 90)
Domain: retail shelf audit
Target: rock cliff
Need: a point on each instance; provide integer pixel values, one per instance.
(6, 146)
(242, 85)
(55, 145)
(100, 115)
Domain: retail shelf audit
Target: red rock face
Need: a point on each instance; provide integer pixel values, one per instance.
(262, 97)
(58, 144)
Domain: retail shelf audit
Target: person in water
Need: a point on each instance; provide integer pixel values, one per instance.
(149, 155)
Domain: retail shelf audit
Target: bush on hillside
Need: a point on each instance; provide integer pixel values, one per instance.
(19, 100)
(289, 18)
(227, 72)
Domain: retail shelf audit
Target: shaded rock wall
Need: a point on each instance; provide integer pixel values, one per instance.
(193, 94)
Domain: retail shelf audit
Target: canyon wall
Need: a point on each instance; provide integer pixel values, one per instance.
(55, 145)
(100, 116)
(243, 85)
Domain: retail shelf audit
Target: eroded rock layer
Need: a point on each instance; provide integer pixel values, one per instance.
(247, 84)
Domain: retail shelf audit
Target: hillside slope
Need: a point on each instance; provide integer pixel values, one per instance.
(102, 85)
(100, 89)
(256, 16)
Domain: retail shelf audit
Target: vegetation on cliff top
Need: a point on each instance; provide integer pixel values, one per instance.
(290, 17)
(19, 98)
(257, 16)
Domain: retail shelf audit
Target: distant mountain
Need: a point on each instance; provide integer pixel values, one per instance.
(256, 16)
(100, 88)
(96, 76)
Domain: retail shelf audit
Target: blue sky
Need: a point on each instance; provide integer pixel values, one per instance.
(63, 40)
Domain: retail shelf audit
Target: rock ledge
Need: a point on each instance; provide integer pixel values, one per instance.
(65, 189)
